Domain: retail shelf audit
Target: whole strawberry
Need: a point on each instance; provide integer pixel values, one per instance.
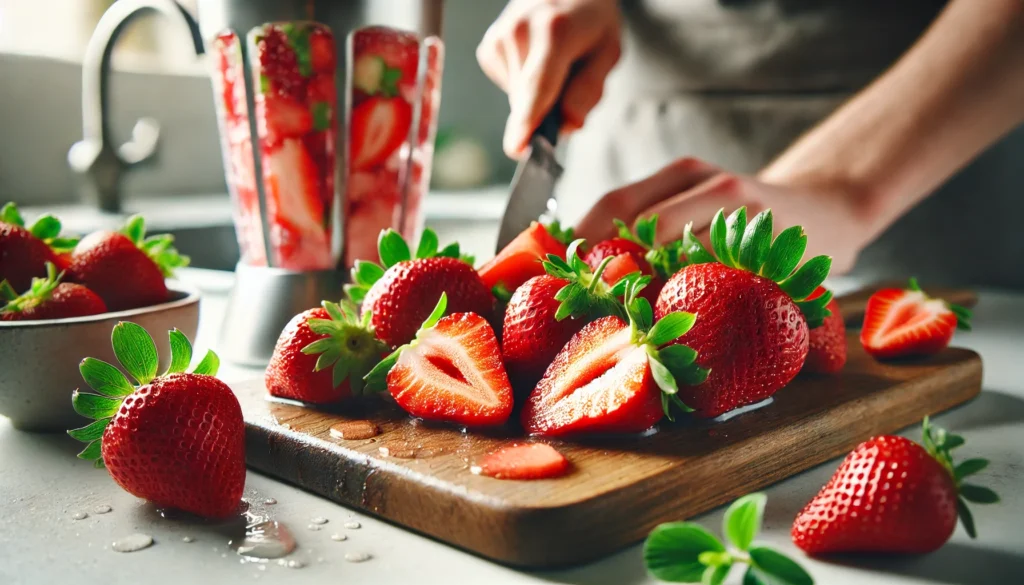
(754, 314)
(826, 347)
(178, 439)
(546, 311)
(658, 262)
(323, 354)
(24, 252)
(49, 298)
(892, 495)
(399, 295)
(126, 269)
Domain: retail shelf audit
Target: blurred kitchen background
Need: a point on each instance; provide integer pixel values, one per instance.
(157, 75)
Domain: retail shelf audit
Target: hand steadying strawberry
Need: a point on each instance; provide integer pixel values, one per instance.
(126, 269)
(49, 298)
(400, 294)
(639, 249)
(24, 252)
(612, 377)
(450, 372)
(826, 346)
(546, 311)
(177, 439)
(906, 323)
(323, 354)
(685, 552)
(891, 495)
(523, 257)
(754, 314)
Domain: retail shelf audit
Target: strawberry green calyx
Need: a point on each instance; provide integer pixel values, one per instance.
(501, 292)
(46, 228)
(665, 260)
(393, 249)
(563, 235)
(749, 246)
(963, 314)
(136, 352)
(39, 292)
(377, 378)
(686, 552)
(350, 347)
(940, 444)
(586, 294)
(672, 365)
(158, 248)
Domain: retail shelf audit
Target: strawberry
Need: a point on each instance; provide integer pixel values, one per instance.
(397, 295)
(450, 372)
(24, 252)
(659, 262)
(891, 495)
(178, 439)
(384, 56)
(612, 377)
(284, 56)
(826, 346)
(321, 50)
(546, 311)
(619, 267)
(522, 258)
(753, 307)
(907, 323)
(126, 269)
(379, 126)
(323, 354)
(526, 461)
(280, 117)
(49, 298)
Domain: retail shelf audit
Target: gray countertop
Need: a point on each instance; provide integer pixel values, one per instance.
(42, 487)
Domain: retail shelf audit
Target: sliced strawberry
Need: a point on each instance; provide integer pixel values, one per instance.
(620, 266)
(528, 461)
(321, 50)
(282, 118)
(903, 323)
(451, 372)
(296, 209)
(398, 49)
(522, 258)
(379, 127)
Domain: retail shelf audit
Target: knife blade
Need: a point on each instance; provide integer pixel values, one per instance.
(531, 193)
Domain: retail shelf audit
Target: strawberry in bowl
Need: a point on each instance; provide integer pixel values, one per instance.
(25, 250)
(49, 298)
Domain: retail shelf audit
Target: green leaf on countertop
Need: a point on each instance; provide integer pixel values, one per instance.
(742, 520)
(774, 568)
(671, 551)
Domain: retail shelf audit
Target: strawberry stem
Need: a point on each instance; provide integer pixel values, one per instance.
(39, 292)
(393, 249)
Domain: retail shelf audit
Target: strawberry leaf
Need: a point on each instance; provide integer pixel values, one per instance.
(719, 239)
(350, 347)
(46, 227)
(135, 229)
(450, 251)
(672, 550)
(815, 311)
(62, 245)
(181, 352)
(392, 248)
(966, 518)
(321, 116)
(742, 519)
(693, 249)
(135, 351)
(563, 235)
(7, 293)
(435, 315)
(90, 432)
(9, 214)
(774, 568)
(39, 292)
(428, 244)
(735, 225)
(208, 366)
(670, 327)
(94, 406)
(715, 575)
(105, 378)
(501, 292)
(806, 279)
(377, 378)
(756, 242)
(969, 467)
(978, 494)
(662, 377)
(92, 452)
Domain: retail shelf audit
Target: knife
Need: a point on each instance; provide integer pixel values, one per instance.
(531, 193)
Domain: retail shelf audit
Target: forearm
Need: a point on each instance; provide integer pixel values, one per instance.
(958, 90)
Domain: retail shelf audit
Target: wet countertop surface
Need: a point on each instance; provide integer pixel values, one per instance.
(55, 526)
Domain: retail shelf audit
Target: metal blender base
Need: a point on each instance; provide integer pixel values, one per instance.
(262, 302)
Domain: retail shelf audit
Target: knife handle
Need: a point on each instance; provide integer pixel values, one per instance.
(552, 122)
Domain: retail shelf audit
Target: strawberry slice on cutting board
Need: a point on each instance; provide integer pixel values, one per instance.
(451, 372)
(525, 461)
(906, 322)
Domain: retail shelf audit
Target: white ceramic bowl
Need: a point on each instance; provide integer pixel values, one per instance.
(39, 359)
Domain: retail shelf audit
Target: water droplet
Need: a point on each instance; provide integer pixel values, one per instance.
(270, 501)
(338, 537)
(79, 516)
(476, 470)
(357, 557)
(294, 564)
(265, 540)
(103, 509)
(314, 527)
(319, 520)
(352, 525)
(132, 543)
(355, 430)
(286, 426)
(187, 539)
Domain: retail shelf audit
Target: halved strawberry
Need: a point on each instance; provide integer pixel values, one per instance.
(612, 378)
(379, 126)
(526, 461)
(620, 266)
(282, 118)
(903, 323)
(523, 257)
(450, 372)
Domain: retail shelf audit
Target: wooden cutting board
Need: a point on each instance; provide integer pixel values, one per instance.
(418, 475)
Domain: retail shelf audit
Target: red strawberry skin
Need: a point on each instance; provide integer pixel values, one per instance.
(527, 461)
(826, 348)
(599, 383)
(113, 267)
(22, 256)
(750, 334)
(617, 247)
(179, 442)
(66, 301)
(888, 496)
(441, 377)
(407, 293)
(522, 258)
(531, 337)
(290, 372)
(902, 323)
